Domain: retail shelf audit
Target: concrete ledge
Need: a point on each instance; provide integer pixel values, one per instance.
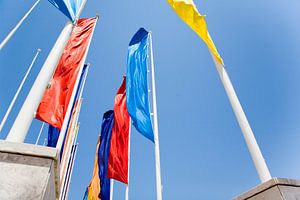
(28, 172)
(274, 189)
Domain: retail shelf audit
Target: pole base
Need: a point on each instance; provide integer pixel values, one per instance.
(274, 189)
(28, 172)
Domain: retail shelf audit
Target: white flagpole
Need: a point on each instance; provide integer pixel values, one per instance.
(66, 155)
(68, 113)
(71, 172)
(40, 133)
(18, 91)
(3, 43)
(22, 124)
(155, 127)
(129, 138)
(23, 121)
(111, 189)
(253, 147)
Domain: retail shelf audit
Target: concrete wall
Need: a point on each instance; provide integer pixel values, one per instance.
(28, 172)
(274, 189)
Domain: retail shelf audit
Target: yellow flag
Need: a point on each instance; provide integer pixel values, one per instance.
(188, 12)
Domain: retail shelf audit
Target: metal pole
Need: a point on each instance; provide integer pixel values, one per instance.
(127, 186)
(253, 147)
(40, 133)
(155, 127)
(111, 189)
(69, 174)
(65, 155)
(23, 121)
(3, 43)
(18, 91)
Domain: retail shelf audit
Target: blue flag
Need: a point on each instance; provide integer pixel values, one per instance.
(53, 134)
(136, 83)
(70, 8)
(103, 153)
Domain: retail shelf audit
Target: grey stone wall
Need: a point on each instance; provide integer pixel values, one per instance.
(28, 172)
(274, 189)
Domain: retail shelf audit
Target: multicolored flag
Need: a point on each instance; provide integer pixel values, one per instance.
(118, 155)
(188, 12)
(99, 187)
(137, 84)
(55, 101)
(93, 190)
(70, 8)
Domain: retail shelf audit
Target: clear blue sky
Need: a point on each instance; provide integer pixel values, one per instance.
(203, 153)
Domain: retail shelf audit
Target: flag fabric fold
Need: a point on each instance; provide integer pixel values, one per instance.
(54, 104)
(118, 155)
(137, 84)
(70, 8)
(103, 153)
(188, 12)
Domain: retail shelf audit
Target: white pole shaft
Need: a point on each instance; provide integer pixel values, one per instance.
(72, 131)
(80, 10)
(253, 147)
(111, 189)
(73, 125)
(23, 121)
(83, 81)
(73, 162)
(69, 175)
(68, 113)
(18, 91)
(3, 43)
(40, 133)
(127, 186)
(155, 127)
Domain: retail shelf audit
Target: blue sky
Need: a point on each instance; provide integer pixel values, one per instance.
(203, 153)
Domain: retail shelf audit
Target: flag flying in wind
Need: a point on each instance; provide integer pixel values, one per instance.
(136, 83)
(118, 155)
(54, 104)
(70, 8)
(103, 153)
(102, 190)
(188, 12)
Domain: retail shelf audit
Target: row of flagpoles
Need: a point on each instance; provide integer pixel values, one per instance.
(131, 107)
(56, 95)
(39, 102)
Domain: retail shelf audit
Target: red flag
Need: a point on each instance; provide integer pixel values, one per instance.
(118, 155)
(55, 101)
